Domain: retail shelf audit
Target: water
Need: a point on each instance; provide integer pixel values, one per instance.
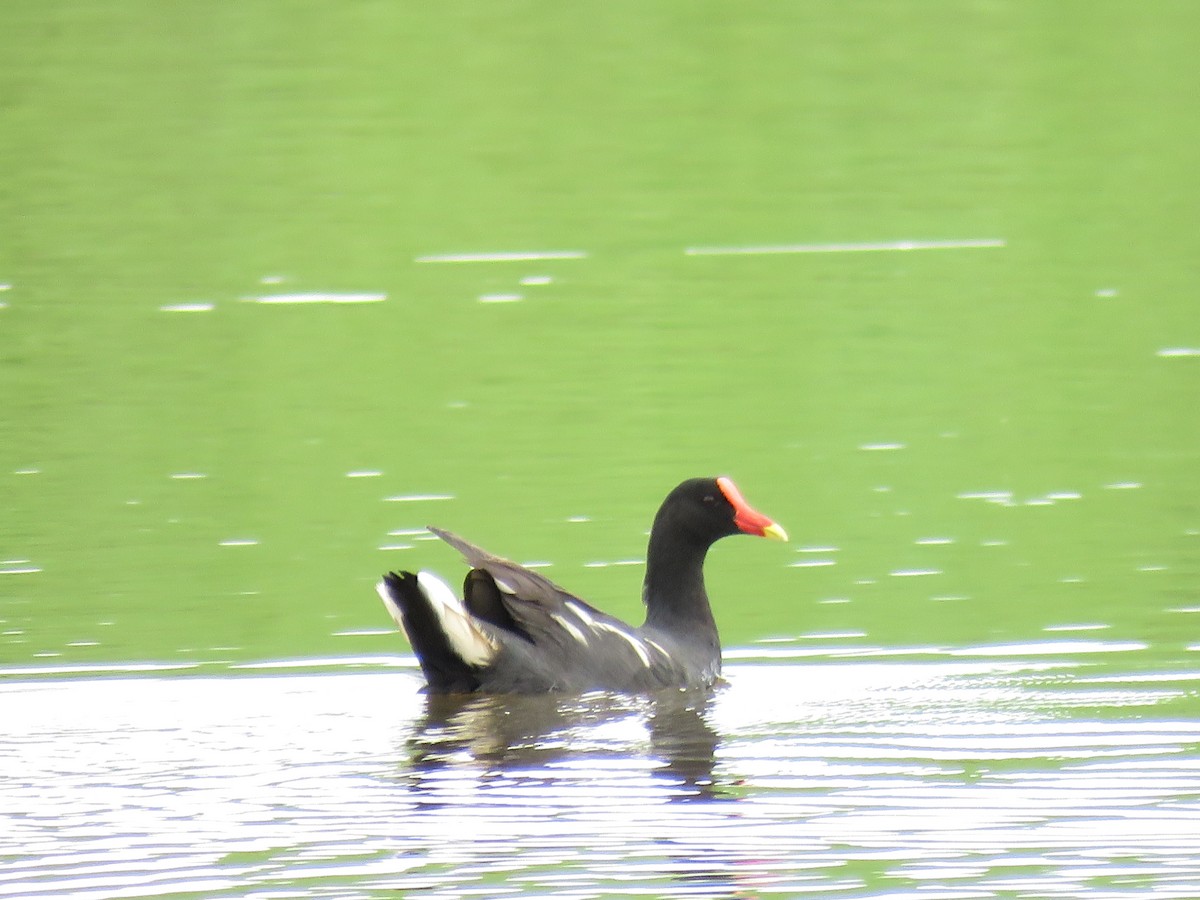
(279, 290)
(282, 290)
(966, 777)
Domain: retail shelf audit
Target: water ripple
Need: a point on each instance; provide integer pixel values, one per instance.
(952, 778)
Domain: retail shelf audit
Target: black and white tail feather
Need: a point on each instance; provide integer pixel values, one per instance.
(450, 643)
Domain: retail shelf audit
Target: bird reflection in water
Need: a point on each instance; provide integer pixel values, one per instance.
(546, 737)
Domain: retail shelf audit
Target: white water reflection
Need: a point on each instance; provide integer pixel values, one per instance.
(963, 777)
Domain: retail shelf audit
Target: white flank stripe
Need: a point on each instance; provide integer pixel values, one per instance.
(657, 646)
(860, 247)
(569, 627)
(638, 647)
(582, 613)
(416, 498)
(517, 256)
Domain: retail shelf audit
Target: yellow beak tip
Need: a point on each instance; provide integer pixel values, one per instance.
(775, 532)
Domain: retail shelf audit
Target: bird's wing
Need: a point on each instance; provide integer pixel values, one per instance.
(510, 577)
(542, 611)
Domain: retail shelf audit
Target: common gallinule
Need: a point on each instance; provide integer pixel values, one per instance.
(515, 631)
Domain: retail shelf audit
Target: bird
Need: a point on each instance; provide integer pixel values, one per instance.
(514, 631)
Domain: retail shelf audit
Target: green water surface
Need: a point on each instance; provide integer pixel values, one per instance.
(968, 445)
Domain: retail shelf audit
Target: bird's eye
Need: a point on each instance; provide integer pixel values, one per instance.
(710, 499)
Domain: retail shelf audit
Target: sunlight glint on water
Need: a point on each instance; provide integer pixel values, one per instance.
(994, 777)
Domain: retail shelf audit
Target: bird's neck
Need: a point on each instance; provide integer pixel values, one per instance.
(674, 591)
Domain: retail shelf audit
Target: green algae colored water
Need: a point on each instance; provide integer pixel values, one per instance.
(281, 284)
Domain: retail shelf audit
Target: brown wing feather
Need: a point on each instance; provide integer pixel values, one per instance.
(530, 598)
(511, 577)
